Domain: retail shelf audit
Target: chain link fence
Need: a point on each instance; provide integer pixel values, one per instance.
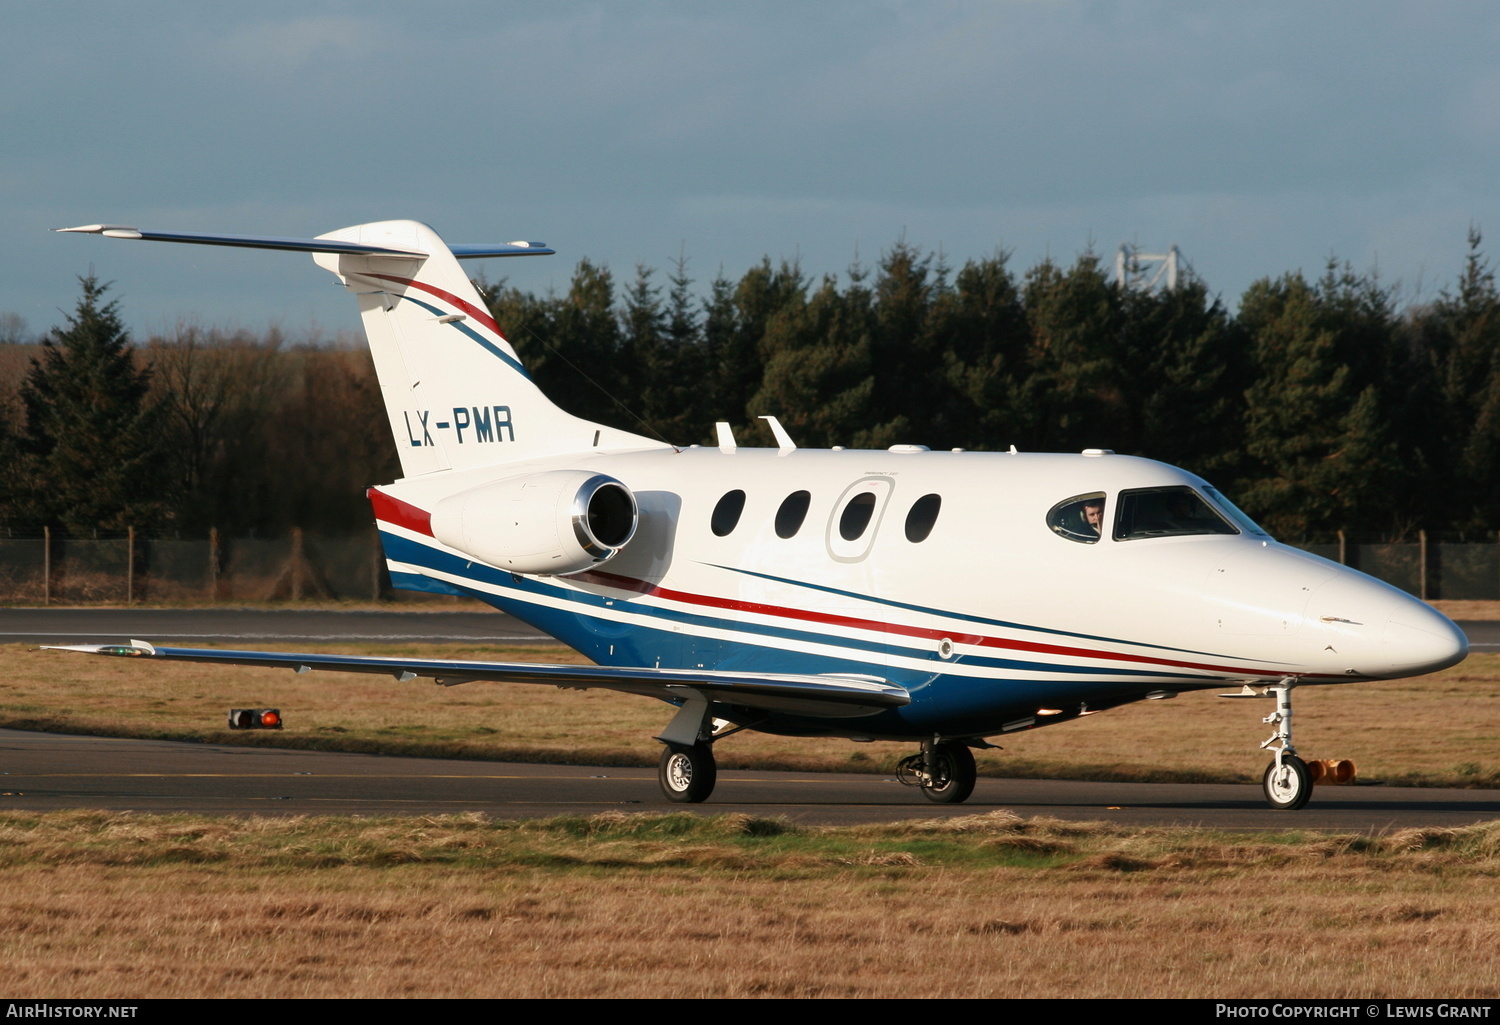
(297, 567)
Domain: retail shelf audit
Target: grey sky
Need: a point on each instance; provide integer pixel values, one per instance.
(1260, 138)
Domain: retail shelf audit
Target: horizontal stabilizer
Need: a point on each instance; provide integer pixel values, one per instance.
(456, 394)
(308, 245)
(831, 696)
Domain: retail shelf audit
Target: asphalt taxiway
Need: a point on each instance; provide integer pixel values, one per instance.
(40, 772)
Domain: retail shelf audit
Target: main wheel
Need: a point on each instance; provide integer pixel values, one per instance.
(1288, 786)
(687, 774)
(954, 776)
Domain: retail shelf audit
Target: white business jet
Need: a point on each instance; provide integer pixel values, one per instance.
(942, 598)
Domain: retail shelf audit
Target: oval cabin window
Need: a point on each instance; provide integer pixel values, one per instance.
(856, 516)
(792, 512)
(727, 513)
(923, 515)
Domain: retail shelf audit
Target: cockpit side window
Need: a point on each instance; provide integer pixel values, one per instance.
(1166, 512)
(1080, 518)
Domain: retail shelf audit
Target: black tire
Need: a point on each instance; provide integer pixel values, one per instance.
(1291, 787)
(687, 774)
(955, 773)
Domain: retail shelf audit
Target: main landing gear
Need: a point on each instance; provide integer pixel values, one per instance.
(687, 772)
(944, 769)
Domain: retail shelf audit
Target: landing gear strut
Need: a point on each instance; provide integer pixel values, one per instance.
(1287, 783)
(944, 769)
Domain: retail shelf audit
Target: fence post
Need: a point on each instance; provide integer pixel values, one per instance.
(379, 553)
(46, 565)
(213, 563)
(129, 565)
(1343, 555)
(1422, 565)
(296, 564)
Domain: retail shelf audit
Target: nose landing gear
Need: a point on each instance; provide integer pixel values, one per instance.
(1287, 782)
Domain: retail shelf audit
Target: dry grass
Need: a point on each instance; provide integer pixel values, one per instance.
(1437, 730)
(1466, 609)
(119, 905)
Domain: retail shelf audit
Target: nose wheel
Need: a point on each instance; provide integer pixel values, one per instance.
(1287, 782)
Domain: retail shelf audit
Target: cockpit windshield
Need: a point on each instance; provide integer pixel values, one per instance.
(1167, 512)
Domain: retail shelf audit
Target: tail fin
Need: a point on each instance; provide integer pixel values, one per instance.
(455, 392)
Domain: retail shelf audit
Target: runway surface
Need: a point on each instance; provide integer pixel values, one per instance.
(253, 626)
(40, 771)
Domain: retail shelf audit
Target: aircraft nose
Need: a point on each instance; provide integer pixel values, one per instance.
(1419, 639)
(1374, 630)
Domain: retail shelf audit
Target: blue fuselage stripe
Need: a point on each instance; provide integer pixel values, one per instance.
(582, 630)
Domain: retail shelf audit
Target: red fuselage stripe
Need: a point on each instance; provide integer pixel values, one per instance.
(926, 633)
(394, 511)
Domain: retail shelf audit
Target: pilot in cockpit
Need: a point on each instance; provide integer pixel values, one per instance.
(1093, 515)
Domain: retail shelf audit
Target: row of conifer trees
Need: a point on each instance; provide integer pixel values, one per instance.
(1319, 404)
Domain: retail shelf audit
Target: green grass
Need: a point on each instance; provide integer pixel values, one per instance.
(727, 843)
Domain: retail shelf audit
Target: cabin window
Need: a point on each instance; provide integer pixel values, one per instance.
(727, 513)
(792, 512)
(1080, 518)
(923, 515)
(856, 516)
(1167, 512)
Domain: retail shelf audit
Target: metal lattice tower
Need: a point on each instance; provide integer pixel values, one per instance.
(1145, 271)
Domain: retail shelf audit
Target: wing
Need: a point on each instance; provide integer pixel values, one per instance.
(831, 696)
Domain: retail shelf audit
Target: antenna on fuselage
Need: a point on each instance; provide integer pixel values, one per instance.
(726, 438)
(784, 442)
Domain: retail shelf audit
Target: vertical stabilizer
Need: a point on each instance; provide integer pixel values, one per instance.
(456, 394)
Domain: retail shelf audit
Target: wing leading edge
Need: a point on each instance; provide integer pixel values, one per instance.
(830, 696)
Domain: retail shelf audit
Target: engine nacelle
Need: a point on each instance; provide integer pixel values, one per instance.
(556, 522)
